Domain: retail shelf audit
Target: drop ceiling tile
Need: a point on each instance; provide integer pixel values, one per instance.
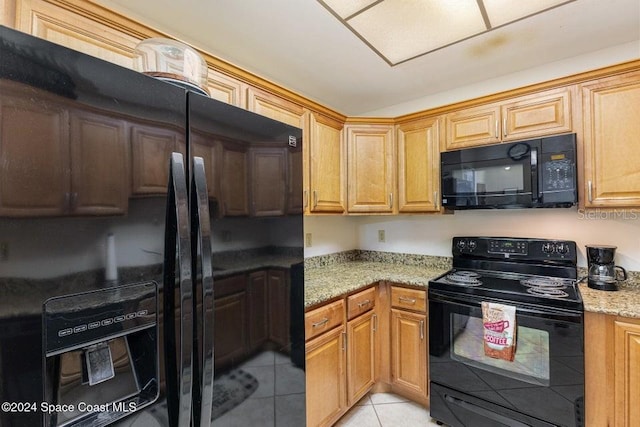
(345, 9)
(403, 29)
(502, 12)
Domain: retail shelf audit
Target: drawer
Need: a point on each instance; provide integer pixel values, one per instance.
(229, 285)
(323, 319)
(361, 302)
(409, 299)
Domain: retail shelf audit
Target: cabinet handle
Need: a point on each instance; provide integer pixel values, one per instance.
(422, 329)
(375, 322)
(67, 202)
(590, 191)
(436, 200)
(364, 303)
(315, 199)
(391, 200)
(344, 341)
(504, 127)
(305, 199)
(407, 300)
(497, 129)
(321, 323)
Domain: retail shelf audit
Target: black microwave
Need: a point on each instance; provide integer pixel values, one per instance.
(536, 173)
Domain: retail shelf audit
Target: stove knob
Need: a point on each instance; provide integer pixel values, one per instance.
(472, 244)
(562, 248)
(547, 248)
(461, 244)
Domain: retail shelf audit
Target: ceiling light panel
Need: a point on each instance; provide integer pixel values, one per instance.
(403, 29)
(345, 9)
(502, 12)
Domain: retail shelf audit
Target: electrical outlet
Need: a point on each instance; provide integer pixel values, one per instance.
(308, 241)
(381, 236)
(4, 251)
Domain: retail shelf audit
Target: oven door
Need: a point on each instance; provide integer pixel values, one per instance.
(543, 385)
(504, 175)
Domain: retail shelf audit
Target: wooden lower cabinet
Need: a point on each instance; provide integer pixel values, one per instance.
(230, 343)
(361, 356)
(326, 393)
(257, 292)
(612, 370)
(409, 352)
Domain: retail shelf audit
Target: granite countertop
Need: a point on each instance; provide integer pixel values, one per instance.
(324, 282)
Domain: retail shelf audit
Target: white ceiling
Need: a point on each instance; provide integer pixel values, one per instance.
(300, 45)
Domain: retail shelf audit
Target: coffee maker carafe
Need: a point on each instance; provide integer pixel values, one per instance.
(604, 275)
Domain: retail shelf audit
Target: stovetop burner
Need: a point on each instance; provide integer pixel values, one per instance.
(464, 278)
(548, 292)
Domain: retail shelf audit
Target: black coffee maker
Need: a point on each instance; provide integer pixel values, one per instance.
(604, 275)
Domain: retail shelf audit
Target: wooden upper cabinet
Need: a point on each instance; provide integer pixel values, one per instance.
(99, 164)
(210, 150)
(34, 154)
(60, 161)
(77, 31)
(226, 89)
(295, 181)
(275, 107)
(611, 131)
(419, 166)
(327, 165)
(268, 181)
(235, 181)
(528, 116)
(151, 151)
(370, 168)
(539, 114)
(472, 126)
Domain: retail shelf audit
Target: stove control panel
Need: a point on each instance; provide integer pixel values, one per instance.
(516, 248)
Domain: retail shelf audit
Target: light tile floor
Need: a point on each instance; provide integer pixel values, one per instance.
(386, 410)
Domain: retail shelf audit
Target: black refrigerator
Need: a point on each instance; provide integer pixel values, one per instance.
(151, 261)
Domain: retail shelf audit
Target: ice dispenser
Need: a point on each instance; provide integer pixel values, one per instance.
(101, 355)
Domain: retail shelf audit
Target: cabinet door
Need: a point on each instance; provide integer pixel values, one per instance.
(235, 190)
(325, 376)
(268, 181)
(370, 168)
(419, 166)
(361, 366)
(112, 39)
(472, 126)
(258, 309)
(611, 108)
(229, 342)
(151, 150)
(207, 148)
(99, 165)
(279, 309)
(34, 153)
(536, 115)
(409, 351)
(225, 88)
(327, 165)
(275, 107)
(295, 193)
(627, 373)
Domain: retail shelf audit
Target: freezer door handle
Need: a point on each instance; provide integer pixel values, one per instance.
(203, 301)
(178, 345)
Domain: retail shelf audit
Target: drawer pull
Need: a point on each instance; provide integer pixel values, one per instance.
(407, 300)
(422, 329)
(364, 303)
(321, 323)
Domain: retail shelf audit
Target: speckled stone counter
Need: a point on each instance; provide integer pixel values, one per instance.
(330, 277)
(325, 280)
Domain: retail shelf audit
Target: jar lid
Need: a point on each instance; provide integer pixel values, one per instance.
(172, 61)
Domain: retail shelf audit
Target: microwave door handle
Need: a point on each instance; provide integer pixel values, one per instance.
(177, 247)
(535, 195)
(201, 247)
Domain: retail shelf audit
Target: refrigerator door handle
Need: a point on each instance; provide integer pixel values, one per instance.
(203, 269)
(178, 349)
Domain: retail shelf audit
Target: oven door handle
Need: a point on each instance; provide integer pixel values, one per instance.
(521, 309)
